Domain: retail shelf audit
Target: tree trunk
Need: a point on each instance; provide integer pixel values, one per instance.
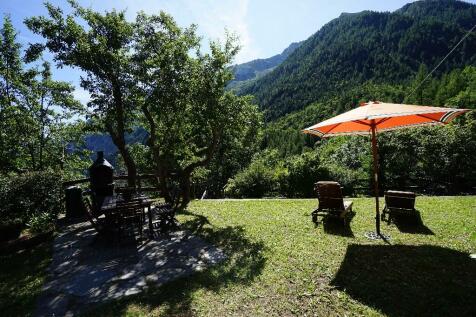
(130, 165)
(163, 182)
(160, 170)
(118, 140)
(185, 190)
(118, 135)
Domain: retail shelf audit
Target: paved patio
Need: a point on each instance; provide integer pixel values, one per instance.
(86, 270)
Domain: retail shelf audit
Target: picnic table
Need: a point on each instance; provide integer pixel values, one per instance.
(118, 202)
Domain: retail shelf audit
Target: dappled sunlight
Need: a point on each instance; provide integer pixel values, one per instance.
(243, 263)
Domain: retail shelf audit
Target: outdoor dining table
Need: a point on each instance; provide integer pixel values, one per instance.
(116, 202)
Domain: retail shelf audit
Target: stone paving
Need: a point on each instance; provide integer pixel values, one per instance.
(86, 270)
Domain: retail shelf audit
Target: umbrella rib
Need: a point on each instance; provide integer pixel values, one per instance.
(362, 122)
(429, 118)
(382, 121)
(338, 124)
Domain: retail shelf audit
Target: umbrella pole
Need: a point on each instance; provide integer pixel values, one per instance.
(375, 172)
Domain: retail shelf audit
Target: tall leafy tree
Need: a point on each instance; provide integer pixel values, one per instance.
(33, 111)
(13, 83)
(188, 113)
(153, 70)
(99, 45)
(49, 104)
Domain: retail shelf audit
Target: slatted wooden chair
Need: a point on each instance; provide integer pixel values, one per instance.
(165, 218)
(131, 217)
(331, 201)
(102, 225)
(398, 202)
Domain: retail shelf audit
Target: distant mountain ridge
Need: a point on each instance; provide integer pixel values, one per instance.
(103, 142)
(256, 68)
(386, 47)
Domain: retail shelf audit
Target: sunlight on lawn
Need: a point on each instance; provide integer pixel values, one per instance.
(280, 263)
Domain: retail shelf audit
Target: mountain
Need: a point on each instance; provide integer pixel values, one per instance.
(384, 47)
(246, 72)
(103, 142)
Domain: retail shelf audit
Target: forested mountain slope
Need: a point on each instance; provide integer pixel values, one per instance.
(246, 72)
(380, 46)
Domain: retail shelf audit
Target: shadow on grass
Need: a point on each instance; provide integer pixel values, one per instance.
(336, 226)
(21, 277)
(411, 223)
(409, 280)
(243, 264)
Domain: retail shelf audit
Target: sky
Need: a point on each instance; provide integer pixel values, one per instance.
(264, 27)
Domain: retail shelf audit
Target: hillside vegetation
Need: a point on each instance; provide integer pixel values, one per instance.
(361, 57)
(245, 73)
(355, 48)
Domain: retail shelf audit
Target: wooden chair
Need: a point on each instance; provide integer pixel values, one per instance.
(102, 225)
(165, 216)
(331, 201)
(398, 202)
(130, 215)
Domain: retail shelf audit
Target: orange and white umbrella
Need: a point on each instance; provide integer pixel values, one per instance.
(373, 117)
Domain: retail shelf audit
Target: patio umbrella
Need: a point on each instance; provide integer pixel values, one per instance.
(373, 117)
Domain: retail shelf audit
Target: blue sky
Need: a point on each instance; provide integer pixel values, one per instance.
(265, 27)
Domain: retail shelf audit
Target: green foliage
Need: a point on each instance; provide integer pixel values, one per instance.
(269, 175)
(30, 195)
(440, 160)
(40, 223)
(22, 276)
(142, 157)
(100, 45)
(303, 172)
(436, 159)
(34, 111)
(190, 117)
(285, 134)
(348, 161)
(233, 154)
(265, 176)
(152, 72)
(384, 47)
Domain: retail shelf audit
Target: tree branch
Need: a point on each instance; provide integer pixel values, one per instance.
(209, 151)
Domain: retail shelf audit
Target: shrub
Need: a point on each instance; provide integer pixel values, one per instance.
(42, 222)
(348, 161)
(265, 176)
(304, 171)
(31, 194)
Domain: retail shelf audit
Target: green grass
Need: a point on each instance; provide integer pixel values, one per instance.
(21, 277)
(279, 263)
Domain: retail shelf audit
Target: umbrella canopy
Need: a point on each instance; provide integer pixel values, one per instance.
(385, 117)
(373, 117)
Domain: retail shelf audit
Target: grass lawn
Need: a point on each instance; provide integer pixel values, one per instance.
(21, 277)
(279, 263)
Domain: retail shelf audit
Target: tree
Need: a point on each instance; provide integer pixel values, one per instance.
(46, 136)
(151, 70)
(102, 49)
(33, 111)
(13, 84)
(183, 100)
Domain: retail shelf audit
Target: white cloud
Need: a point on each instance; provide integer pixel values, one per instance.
(212, 17)
(81, 95)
